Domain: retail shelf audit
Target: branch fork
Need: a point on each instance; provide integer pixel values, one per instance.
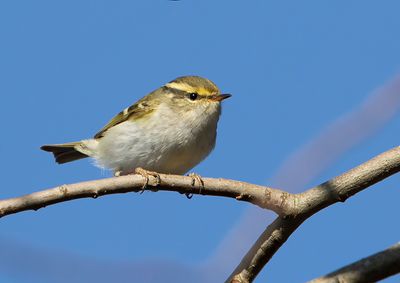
(292, 209)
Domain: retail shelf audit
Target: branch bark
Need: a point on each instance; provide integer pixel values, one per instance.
(264, 197)
(370, 269)
(292, 209)
(302, 206)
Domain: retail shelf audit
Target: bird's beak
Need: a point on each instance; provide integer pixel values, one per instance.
(220, 97)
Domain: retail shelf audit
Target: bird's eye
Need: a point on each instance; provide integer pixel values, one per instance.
(193, 96)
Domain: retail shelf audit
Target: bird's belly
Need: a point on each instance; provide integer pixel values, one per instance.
(162, 148)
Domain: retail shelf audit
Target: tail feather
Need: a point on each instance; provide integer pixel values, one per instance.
(64, 153)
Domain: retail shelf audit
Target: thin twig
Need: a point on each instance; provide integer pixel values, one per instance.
(370, 269)
(308, 161)
(264, 197)
(293, 209)
(304, 205)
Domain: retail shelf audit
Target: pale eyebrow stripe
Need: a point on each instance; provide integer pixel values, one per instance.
(181, 86)
(183, 89)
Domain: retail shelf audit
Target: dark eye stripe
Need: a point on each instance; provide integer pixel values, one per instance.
(181, 93)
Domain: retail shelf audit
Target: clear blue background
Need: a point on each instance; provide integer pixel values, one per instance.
(293, 67)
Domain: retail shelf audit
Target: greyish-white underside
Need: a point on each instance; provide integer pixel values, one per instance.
(166, 141)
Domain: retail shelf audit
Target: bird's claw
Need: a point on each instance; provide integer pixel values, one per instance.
(195, 178)
(146, 174)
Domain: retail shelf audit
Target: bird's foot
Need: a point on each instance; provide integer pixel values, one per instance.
(146, 174)
(117, 173)
(195, 179)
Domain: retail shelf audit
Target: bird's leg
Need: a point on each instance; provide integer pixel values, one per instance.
(195, 178)
(146, 174)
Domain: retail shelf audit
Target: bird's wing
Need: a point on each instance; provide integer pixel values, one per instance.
(136, 111)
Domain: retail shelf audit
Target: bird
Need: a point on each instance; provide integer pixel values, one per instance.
(170, 130)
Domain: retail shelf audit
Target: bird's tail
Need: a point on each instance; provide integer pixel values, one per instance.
(65, 152)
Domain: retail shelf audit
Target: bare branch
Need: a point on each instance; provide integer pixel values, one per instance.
(370, 269)
(293, 209)
(309, 161)
(304, 205)
(262, 196)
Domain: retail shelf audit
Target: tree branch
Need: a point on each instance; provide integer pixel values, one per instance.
(370, 269)
(293, 209)
(302, 206)
(264, 197)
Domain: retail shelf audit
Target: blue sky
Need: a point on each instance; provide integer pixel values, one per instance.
(293, 67)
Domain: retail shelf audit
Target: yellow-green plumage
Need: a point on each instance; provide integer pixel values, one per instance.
(170, 130)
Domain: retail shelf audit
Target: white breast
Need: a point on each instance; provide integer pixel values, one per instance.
(165, 142)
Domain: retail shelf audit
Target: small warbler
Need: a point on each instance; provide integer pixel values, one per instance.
(170, 131)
